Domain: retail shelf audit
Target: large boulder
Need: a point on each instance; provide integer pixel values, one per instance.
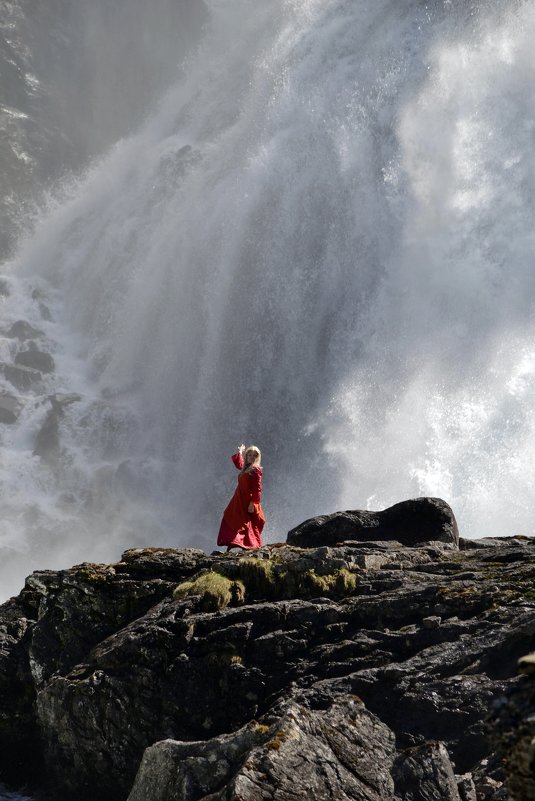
(409, 522)
(343, 752)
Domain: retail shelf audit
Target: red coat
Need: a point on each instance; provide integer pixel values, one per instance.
(240, 527)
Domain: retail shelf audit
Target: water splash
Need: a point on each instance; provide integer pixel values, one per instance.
(320, 241)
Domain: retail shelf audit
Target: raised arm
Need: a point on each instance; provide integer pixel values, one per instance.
(237, 458)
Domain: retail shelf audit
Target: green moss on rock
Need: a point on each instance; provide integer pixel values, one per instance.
(252, 579)
(216, 591)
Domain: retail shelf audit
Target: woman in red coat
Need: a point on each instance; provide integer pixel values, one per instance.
(243, 519)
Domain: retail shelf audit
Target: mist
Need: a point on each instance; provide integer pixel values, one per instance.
(317, 238)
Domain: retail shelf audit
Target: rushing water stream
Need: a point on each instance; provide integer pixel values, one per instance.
(321, 240)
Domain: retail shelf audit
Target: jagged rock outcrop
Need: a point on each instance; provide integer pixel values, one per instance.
(362, 671)
(409, 522)
(342, 752)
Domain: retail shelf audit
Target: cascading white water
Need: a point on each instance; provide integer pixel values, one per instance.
(319, 241)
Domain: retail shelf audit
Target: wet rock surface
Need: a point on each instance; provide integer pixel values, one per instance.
(10, 408)
(35, 360)
(22, 330)
(362, 671)
(21, 377)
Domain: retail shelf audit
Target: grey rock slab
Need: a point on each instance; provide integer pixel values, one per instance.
(342, 752)
(23, 378)
(10, 408)
(61, 400)
(425, 773)
(36, 359)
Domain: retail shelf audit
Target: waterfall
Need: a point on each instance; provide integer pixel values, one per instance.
(320, 240)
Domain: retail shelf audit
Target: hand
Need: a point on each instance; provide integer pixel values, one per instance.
(241, 448)
(250, 508)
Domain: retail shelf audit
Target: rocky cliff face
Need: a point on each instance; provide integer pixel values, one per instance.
(356, 670)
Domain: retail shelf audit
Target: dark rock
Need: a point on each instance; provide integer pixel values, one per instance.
(513, 733)
(19, 737)
(22, 330)
(247, 668)
(36, 359)
(47, 443)
(10, 408)
(60, 401)
(44, 309)
(409, 523)
(22, 378)
(425, 773)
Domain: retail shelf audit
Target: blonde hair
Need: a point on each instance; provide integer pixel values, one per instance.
(250, 463)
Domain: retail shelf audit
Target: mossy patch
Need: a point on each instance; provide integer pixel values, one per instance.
(271, 580)
(261, 728)
(215, 590)
(254, 579)
(341, 582)
(259, 577)
(93, 574)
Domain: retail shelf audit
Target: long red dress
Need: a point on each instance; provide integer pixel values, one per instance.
(239, 527)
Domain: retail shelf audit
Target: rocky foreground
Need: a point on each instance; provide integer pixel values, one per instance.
(359, 668)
